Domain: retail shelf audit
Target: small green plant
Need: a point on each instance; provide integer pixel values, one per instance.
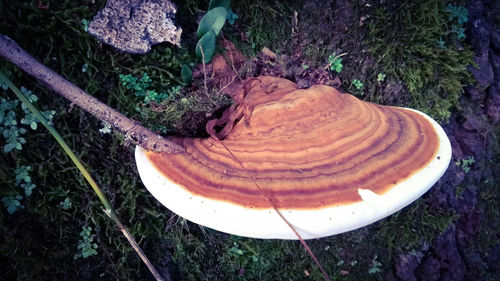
(85, 24)
(376, 266)
(12, 203)
(23, 179)
(236, 250)
(106, 128)
(381, 77)
(85, 67)
(335, 62)
(12, 130)
(86, 245)
(440, 42)
(66, 204)
(141, 87)
(458, 12)
(466, 163)
(231, 16)
(358, 84)
(10, 127)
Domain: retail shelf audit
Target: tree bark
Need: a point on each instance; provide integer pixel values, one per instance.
(132, 129)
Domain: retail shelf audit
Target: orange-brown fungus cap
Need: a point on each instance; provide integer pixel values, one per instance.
(307, 149)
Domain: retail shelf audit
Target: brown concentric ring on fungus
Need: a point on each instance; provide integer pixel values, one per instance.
(329, 161)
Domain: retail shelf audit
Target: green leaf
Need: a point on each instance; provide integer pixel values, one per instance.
(219, 3)
(207, 44)
(213, 20)
(9, 147)
(186, 74)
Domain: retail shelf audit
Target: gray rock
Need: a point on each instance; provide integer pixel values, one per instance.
(134, 25)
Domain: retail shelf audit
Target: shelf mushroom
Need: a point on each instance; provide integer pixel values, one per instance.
(329, 162)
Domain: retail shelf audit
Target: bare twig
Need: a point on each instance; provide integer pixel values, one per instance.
(141, 135)
(204, 70)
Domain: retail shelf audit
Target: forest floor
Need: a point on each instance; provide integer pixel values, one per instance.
(429, 55)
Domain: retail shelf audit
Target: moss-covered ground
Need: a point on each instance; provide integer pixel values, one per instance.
(403, 54)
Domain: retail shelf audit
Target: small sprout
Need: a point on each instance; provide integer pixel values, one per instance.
(376, 266)
(152, 95)
(231, 16)
(466, 163)
(29, 94)
(106, 128)
(14, 139)
(459, 31)
(23, 179)
(49, 115)
(22, 174)
(305, 66)
(141, 87)
(381, 77)
(85, 24)
(28, 188)
(358, 84)
(236, 250)
(29, 119)
(440, 43)
(66, 204)
(458, 12)
(335, 62)
(12, 203)
(9, 124)
(86, 246)
(85, 66)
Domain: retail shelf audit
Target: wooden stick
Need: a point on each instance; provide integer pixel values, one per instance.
(132, 129)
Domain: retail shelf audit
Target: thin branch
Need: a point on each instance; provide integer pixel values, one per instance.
(132, 129)
(204, 70)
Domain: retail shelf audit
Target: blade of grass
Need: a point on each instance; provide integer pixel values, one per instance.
(108, 209)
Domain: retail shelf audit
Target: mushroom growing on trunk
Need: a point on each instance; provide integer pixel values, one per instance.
(329, 162)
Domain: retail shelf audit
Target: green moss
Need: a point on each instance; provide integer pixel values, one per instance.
(404, 39)
(414, 225)
(258, 17)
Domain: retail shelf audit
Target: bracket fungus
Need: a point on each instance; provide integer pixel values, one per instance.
(329, 162)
